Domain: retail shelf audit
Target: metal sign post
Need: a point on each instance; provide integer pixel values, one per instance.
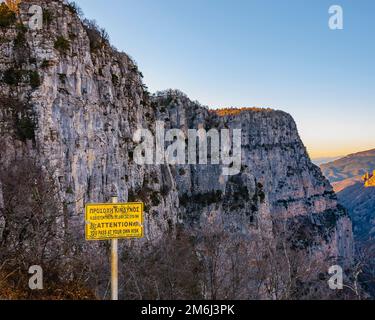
(114, 221)
(114, 264)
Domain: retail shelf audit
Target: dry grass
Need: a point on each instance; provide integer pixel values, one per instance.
(12, 288)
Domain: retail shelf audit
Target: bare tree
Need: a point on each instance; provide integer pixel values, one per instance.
(33, 233)
(167, 270)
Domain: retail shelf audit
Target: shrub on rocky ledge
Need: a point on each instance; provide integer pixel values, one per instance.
(7, 16)
(25, 128)
(14, 77)
(98, 37)
(73, 8)
(34, 79)
(47, 16)
(62, 44)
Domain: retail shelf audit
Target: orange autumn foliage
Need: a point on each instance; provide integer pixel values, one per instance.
(369, 179)
(236, 111)
(13, 4)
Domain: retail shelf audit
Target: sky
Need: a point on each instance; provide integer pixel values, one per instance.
(265, 53)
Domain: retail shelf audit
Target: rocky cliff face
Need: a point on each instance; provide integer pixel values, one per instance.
(85, 109)
(277, 178)
(75, 106)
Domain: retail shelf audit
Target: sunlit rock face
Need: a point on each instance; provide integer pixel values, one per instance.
(369, 180)
(89, 103)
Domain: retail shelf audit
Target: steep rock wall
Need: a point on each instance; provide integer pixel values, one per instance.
(86, 108)
(88, 105)
(277, 178)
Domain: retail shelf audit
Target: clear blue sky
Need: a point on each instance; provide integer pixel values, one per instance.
(274, 53)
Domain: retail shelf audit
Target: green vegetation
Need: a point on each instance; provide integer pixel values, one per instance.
(21, 117)
(62, 44)
(34, 79)
(25, 128)
(69, 190)
(45, 64)
(62, 77)
(7, 17)
(14, 77)
(21, 27)
(115, 79)
(47, 16)
(155, 199)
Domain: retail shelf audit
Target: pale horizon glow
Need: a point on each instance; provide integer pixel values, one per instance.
(337, 153)
(277, 54)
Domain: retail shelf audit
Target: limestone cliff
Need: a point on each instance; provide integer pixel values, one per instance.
(75, 103)
(277, 178)
(83, 112)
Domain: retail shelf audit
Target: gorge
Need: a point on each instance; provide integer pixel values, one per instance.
(71, 103)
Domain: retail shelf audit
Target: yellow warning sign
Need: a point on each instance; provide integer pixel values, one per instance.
(114, 221)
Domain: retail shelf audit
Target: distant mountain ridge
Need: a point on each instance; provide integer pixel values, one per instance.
(324, 160)
(346, 177)
(349, 170)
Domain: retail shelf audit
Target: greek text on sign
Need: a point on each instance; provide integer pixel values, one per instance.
(114, 221)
